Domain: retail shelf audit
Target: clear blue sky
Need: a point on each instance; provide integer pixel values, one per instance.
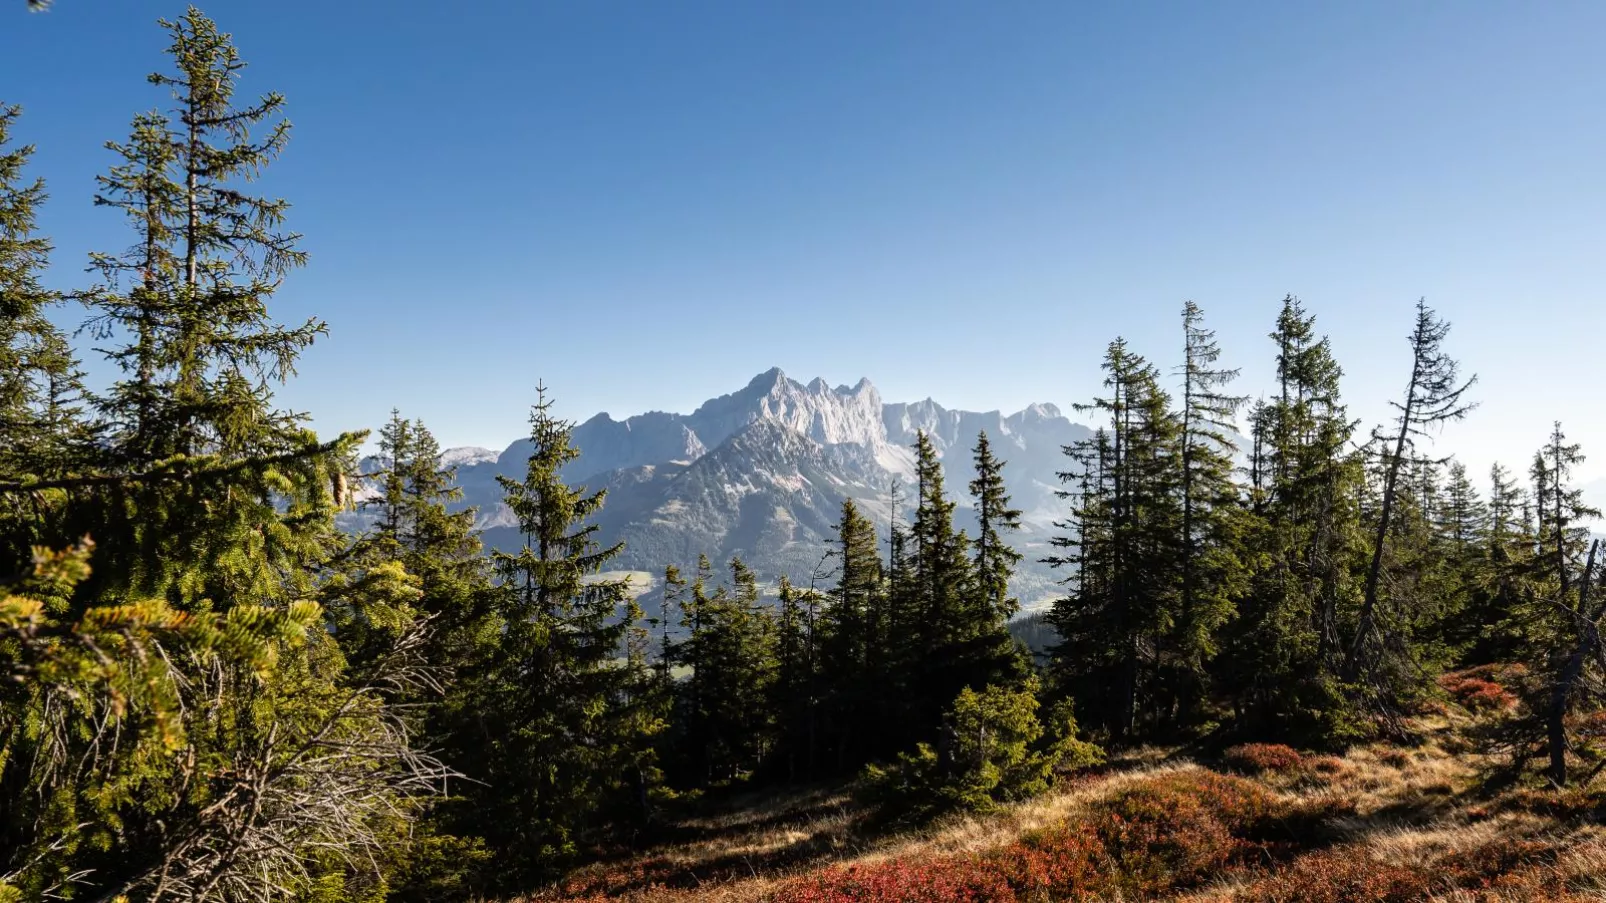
(647, 203)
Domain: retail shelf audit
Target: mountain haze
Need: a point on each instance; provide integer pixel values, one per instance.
(762, 472)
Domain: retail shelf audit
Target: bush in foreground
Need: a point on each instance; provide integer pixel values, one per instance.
(1258, 758)
(1158, 836)
(994, 749)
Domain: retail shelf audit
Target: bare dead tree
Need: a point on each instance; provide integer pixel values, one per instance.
(1566, 685)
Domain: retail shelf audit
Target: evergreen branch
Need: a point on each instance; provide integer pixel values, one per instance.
(178, 468)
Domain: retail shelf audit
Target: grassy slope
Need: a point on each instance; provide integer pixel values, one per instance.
(1382, 824)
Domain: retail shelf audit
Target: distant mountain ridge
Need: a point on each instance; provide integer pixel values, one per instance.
(762, 472)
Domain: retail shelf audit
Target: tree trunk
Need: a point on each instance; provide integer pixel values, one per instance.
(1390, 481)
(1567, 679)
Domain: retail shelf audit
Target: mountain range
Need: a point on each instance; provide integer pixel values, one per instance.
(761, 473)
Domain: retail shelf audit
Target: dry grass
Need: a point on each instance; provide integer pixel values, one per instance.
(1397, 824)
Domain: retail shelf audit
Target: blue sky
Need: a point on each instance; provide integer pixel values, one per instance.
(647, 203)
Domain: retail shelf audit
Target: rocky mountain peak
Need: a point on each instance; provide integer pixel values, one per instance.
(762, 472)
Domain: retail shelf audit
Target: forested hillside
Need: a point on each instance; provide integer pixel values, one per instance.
(215, 693)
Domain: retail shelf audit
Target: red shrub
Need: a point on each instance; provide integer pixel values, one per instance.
(1339, 876)
(1492, 864)
(1478, 690)
(1567, 804)
(1066, 863)
(1500, 673)
(1255, 758)
(1351, 876)
(1394, 758)
(1175, 830)
(1588, 725)
(1327, 765)
(949, 879)
(1148, 839)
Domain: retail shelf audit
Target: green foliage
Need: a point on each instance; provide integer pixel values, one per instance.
(992, 748)
(1124, 542)
(724, 703)
(191, 714)
(559, 734)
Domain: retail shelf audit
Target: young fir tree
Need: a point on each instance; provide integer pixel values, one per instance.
(995, 559)
(995, 658)
(561, 742)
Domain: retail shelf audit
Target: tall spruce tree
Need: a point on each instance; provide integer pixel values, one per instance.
(995, 559)
(561, 743)
(187, 305)
(1303, 545)
(1212, 574)
(1461, 522)
(731, 650)
(793, 693)
(1121, 620)
(1562, 511)
(846, 655)
(1496, 609)
(41, 431)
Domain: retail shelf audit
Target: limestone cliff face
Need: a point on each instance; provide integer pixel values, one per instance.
(762, 473)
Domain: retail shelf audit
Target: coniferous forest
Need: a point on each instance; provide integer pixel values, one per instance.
(213, 693)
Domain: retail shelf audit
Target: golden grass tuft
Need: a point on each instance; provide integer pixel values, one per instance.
(1381, 823)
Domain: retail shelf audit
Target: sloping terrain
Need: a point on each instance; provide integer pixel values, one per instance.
(1264, 825)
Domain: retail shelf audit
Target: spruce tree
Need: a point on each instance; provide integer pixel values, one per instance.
(1496, 611)
(561, 742)
(853, 728)
(731, 649)
(199, 350)
(226, 745)
(792, 694)
(1563, 513)
(1212, 573)
(41, 431)
(1461, 523)
(995, 559)
(1120, 622)
(1284, 648)
(1433, 396)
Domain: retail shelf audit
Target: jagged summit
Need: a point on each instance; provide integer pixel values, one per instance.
(762, 472)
